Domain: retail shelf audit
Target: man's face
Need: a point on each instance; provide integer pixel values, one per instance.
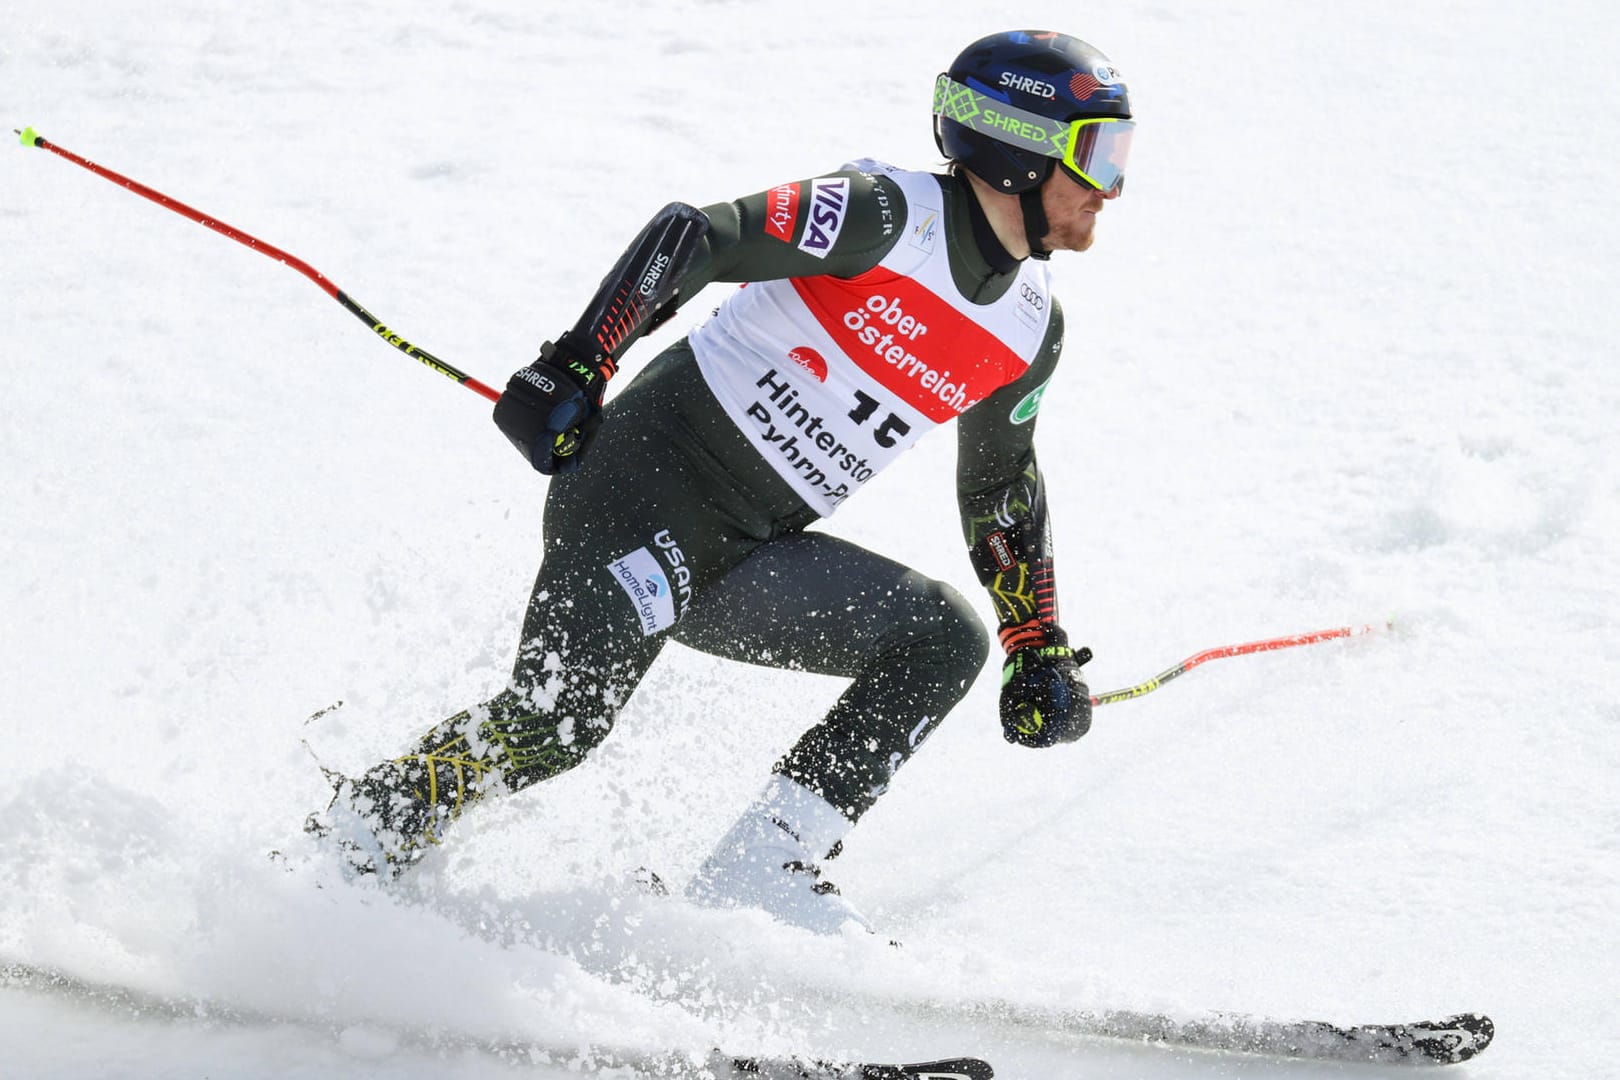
(1071, 212)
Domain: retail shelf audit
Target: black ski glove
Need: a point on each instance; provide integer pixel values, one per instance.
(552, 407)
(1044, 698)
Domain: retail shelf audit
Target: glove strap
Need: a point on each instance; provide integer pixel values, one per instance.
(588, 368)
(1041, 656)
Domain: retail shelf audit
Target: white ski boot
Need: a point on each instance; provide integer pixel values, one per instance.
(769, 861)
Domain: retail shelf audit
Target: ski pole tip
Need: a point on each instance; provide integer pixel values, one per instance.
(27, 136)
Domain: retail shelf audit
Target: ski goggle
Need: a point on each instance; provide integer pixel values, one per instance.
(1093, 150)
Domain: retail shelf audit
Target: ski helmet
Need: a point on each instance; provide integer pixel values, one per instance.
(1006, 109)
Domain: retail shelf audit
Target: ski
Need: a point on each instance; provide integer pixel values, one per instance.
(1447, 1041)
(672, 1065)
(1421, 1042)
(796, 1069)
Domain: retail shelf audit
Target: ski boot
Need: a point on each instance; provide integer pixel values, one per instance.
(770, 860)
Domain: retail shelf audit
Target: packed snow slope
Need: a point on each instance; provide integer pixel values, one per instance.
(1343, 353)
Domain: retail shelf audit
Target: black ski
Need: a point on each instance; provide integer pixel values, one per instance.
(952, 1069)
(1421, 1042)
(133, 1002)
(797, 1069)
(1444, 1042)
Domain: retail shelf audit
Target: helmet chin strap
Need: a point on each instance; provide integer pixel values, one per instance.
(1035, 224)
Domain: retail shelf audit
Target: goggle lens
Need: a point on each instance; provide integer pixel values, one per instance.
(1097, 151)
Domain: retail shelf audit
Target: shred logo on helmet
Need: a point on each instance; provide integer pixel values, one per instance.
(1028, 85)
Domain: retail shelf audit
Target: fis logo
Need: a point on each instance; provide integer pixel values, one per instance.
(829, 200)
(926, 229)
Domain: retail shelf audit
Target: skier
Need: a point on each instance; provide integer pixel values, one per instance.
(878, 303)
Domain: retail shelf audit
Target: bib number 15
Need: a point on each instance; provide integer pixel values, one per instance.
(889, 431)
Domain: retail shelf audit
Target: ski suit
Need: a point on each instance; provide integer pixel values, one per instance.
(876, 304)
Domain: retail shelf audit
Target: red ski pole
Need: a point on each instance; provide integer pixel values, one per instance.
(30, 137)
(1228, 650)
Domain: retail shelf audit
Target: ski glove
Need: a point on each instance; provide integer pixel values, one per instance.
(1044, 698)
(552, 407)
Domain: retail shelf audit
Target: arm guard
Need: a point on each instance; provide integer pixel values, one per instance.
(640, 292)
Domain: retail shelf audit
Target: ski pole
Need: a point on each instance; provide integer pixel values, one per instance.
(1228, 650)
(30, 137)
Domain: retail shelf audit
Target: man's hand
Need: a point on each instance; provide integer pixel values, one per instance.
(552, 407)
(1044, 698)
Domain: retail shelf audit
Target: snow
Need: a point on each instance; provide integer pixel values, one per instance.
(1342, 353)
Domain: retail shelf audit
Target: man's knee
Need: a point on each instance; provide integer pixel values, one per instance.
(956, 637)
